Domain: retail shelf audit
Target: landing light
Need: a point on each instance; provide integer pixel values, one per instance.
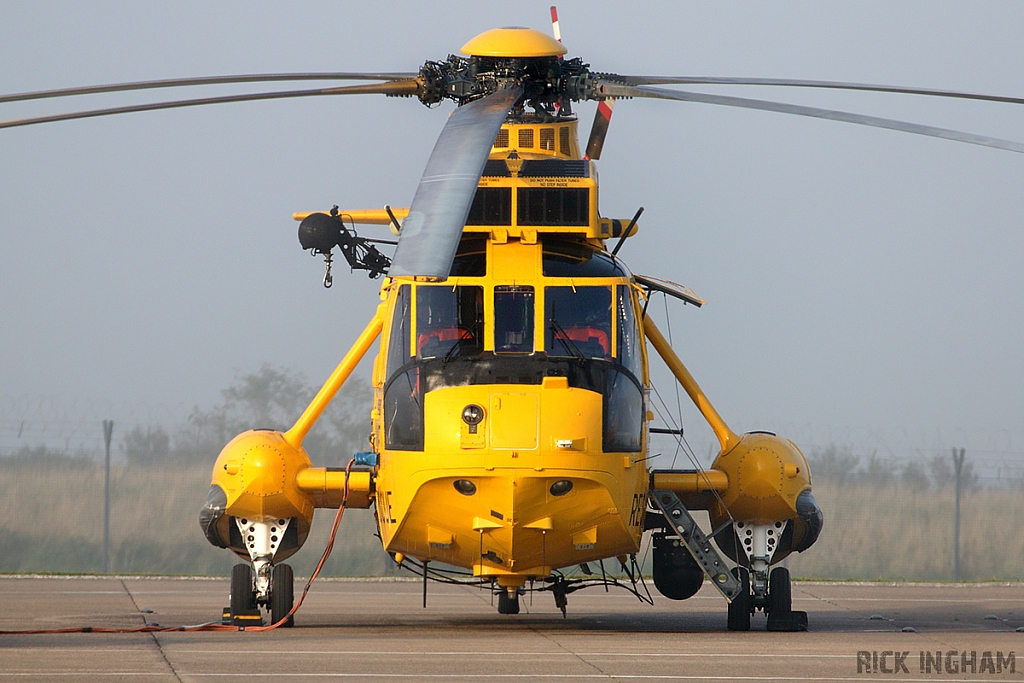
(472, 414)
(561, 487)
(464, 486)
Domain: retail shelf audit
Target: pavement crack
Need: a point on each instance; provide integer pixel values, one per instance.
(534, 629)
(827, 601)
(563, 648)
(156, 641)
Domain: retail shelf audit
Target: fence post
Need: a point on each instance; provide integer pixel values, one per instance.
(958, 463)
(108, 431)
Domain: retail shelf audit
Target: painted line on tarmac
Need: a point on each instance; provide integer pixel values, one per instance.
(488, 676)
(714, 598)
(488, 653)
(899, 600)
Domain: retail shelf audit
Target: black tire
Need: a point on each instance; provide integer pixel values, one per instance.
(282, 594)
(780, 591)
(507, 605)
(739, 608)
(243, 593)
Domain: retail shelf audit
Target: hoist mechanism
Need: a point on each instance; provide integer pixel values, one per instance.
(319, 233)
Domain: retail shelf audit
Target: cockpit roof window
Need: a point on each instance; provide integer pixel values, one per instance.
(471, 258)
(566, 258)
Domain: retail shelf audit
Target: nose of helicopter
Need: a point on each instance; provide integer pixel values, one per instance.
(549, 520)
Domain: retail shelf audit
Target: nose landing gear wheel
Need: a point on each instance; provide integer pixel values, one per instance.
(739, 608)
(507, 605)
(282, 594)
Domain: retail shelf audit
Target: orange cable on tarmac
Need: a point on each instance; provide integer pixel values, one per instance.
(215, 626)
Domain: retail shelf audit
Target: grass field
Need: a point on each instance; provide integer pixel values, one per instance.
(54, 523)
(895, 534)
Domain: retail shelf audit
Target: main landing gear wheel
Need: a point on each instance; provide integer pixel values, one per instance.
(780, 591)
(282, 594)
(243, 592)
(507, 605)
(740, 607)
(781, 616)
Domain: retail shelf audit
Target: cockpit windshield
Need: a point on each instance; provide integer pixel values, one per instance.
(513, 319)
(449, 321)
(578, 321)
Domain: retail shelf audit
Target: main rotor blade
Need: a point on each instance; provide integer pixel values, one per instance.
(204, 80)
(431, 232)
(614, 90)
(599, 129)
(392, 88)
(798, 83)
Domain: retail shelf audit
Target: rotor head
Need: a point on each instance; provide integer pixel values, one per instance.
(513, 41)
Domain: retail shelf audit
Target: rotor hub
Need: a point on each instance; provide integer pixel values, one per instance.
(500, 57)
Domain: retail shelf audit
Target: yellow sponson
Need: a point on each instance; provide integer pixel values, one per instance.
(514, 41)
(766, 474)
(257, 471)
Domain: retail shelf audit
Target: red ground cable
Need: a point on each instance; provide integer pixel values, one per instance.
(217, 627)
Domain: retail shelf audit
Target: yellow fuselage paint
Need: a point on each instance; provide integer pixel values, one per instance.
(517, 471)
(532, 435)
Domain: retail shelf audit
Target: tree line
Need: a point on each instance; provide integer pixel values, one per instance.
(268, 398)
(839, 465)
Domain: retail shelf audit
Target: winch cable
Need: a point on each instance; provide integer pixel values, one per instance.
(679, 402)
(681, 442)
(216, 625)
(688, 450)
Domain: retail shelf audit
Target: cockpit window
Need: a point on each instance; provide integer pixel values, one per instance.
(578, 321)
(449, 321)
(562, 258)
(403, 404)
(471, 258)
(628, 352)
(513, 319)
(398, 337)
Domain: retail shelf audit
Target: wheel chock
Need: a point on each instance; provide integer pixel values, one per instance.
(787, 621)
(249, 617)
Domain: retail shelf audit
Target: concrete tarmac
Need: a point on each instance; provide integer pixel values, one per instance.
(376, 630)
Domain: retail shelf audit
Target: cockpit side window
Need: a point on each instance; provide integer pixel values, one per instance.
(624, 389)
(578, 321)
(449, 321)
(403, 405)
(629, 352)
(398, 338)
(513, 319)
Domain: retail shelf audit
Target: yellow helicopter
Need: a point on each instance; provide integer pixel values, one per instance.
(510, 427)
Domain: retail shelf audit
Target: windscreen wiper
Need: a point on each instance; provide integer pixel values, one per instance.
(561, 335)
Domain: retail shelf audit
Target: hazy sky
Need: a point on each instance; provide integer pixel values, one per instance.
(859, 281)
